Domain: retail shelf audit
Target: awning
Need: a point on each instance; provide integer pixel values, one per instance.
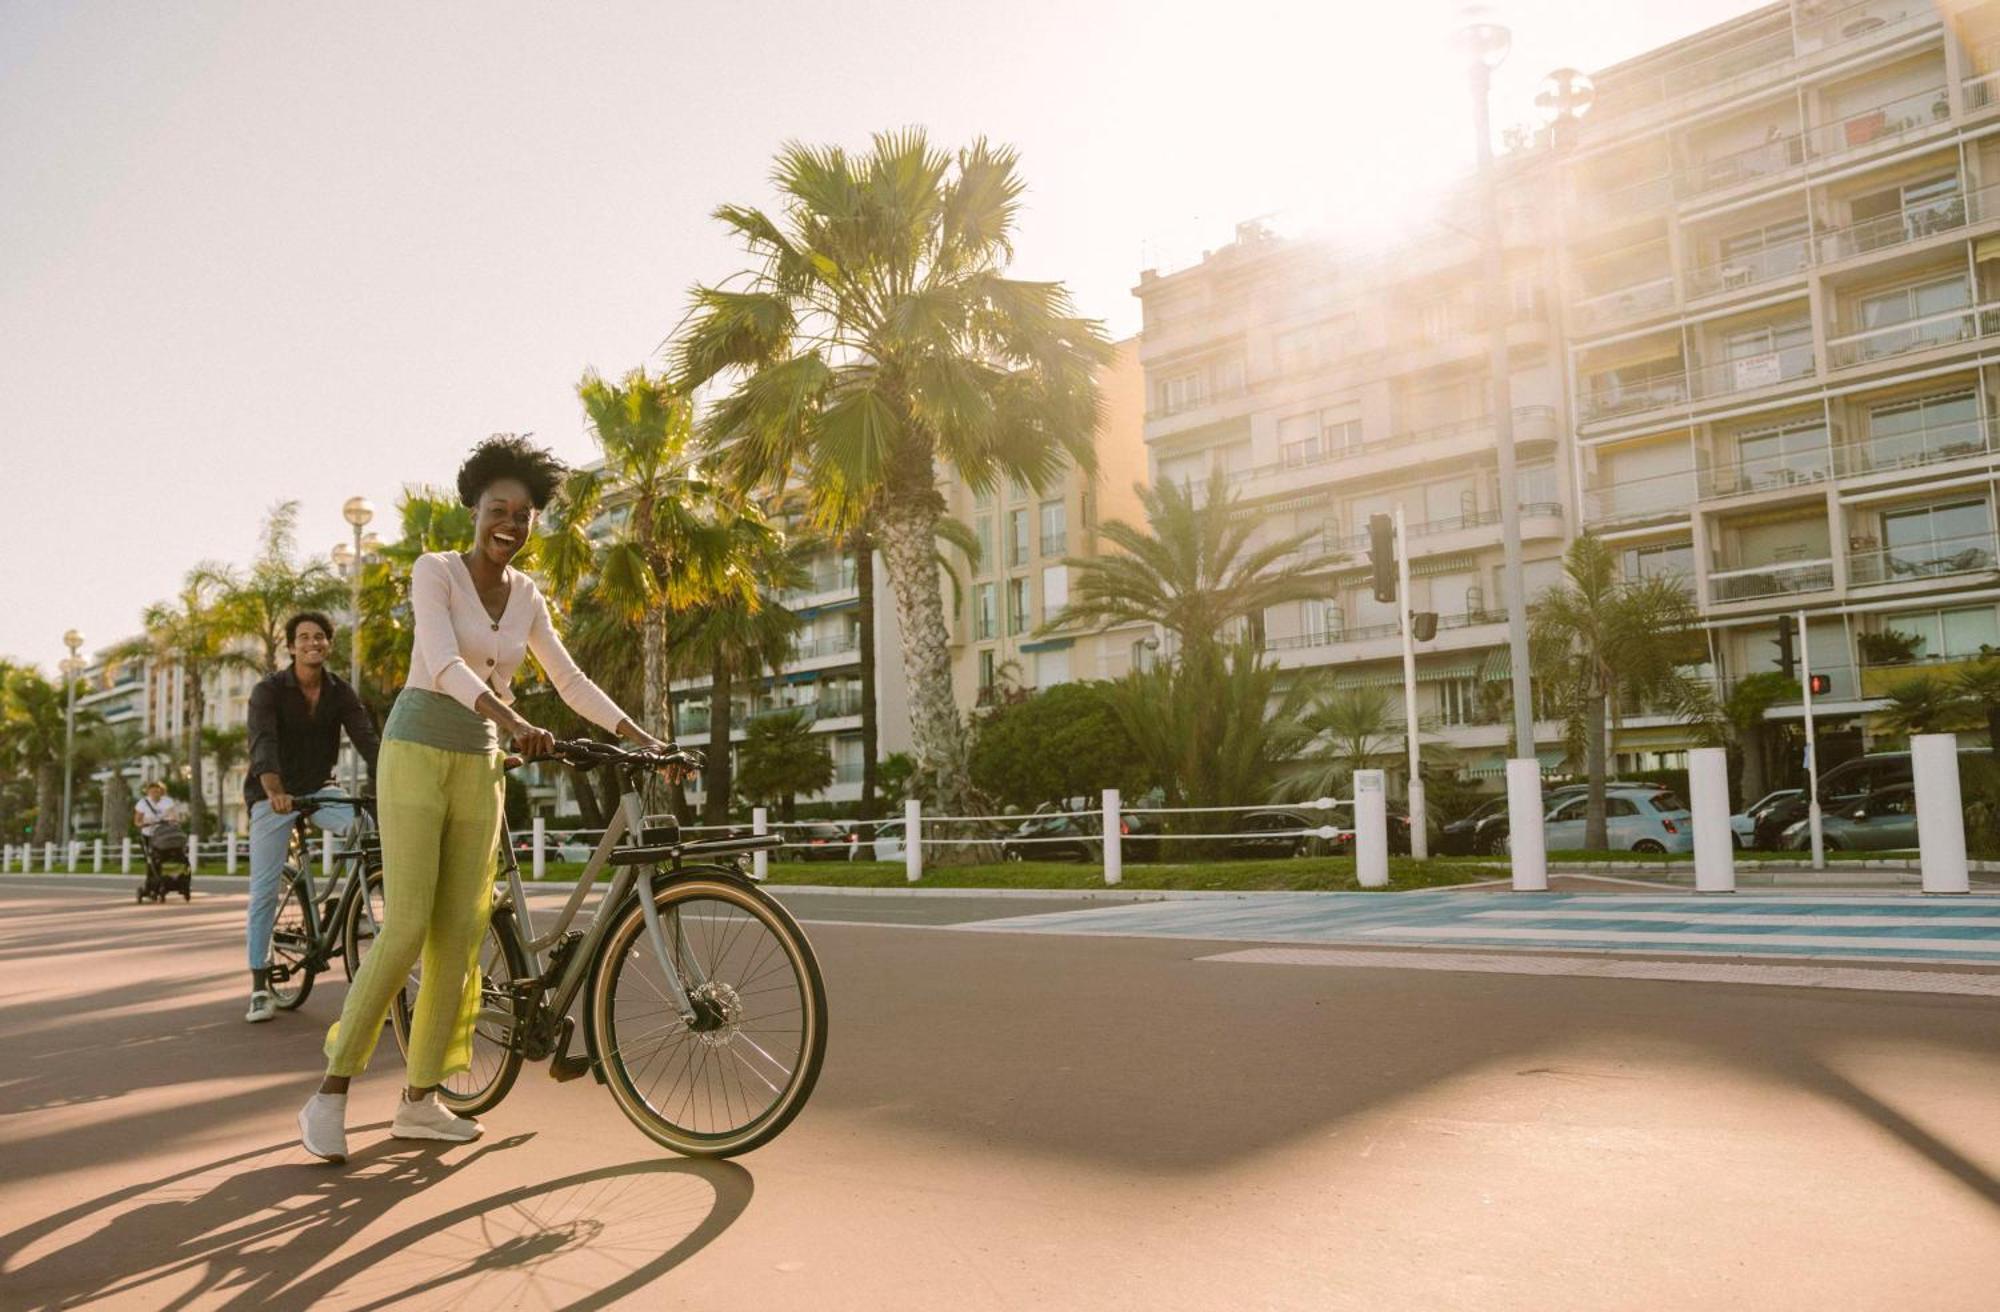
(1434, 565)
(807, 612)
(1986, 248)
(807, 676)
(1550, 759)
(1049, 644)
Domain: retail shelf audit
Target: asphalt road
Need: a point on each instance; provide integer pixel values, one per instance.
(1021, 1121)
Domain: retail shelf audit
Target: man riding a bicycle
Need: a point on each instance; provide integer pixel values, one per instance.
(296, 717)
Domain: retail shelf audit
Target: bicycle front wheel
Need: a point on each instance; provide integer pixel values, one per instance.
(496, 1061)
(364, 921)
(292, 944)
(737, 1075)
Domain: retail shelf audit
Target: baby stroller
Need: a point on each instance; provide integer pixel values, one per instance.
(167, 867)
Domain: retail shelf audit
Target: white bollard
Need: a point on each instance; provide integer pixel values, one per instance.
(125, 855)
(73, 854)
(48, 858)
(913, 840)
(1371, 830)
(96, 856)
(1524, 826)
(326, 853)
(539, 859)
(760, 823)
(1940, 814)
(194, 852)
(1114, 847)
(1714, 845)
(229, 853)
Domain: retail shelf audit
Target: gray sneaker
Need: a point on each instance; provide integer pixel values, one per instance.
(261, 1007)
(431, 1119)
(323, 1126)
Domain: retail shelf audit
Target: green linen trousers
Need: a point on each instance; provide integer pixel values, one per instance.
(440, 814)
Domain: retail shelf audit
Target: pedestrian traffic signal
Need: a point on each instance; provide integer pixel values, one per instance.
(1788, 661)
(1382, 555)
(1423, 625)
(1821, 685)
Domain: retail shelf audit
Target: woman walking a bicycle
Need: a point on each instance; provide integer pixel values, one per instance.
(440, 791)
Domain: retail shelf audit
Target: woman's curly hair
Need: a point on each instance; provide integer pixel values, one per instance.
(510, 455)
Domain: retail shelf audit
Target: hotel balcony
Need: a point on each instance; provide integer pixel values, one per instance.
(1661, 497)
(1615, 398)
(1866, 129)
(1760, 582)
(1468, 437)
(1363, 642)
(1747, 269)
(1919, 449)
(1925, 334)
(1945, 558)
(1630, 304)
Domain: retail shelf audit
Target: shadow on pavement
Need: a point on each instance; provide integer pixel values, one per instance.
(265, 1230)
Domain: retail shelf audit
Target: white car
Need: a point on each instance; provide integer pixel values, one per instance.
(889, 841)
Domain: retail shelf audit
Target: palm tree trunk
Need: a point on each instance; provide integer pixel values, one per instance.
(117, 802)
(909, 536)
(864, 586)
(197, 712)
(657, 706)
(48, 802)
(1593, 759)
(717, 779)
(586, 798)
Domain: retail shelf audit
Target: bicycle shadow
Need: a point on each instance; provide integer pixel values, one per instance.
(262, 1237)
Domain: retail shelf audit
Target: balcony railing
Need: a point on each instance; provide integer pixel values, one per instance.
(1055, 544)
(1942, 558)
(1750, 268)
(1605, 400)
(1904, 226)
(1767, 369)
(1189, 404)
(822, 581)
(1634, 302)
(1872, 126)
(1768, 473)
(1774, 580)
(1923, 334)
(806, 649)
(1333, 637)
(1924, 446)
(1625, 95)
(1531, 423)
(1651, 497)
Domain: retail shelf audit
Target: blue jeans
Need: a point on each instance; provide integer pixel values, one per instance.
(268, 843)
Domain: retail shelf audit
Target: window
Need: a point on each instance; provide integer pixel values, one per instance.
(1907, 212)
(1017, 605)
(1662, 560)
(1055, 522)
(1145, 653)
(1458, 701)
(1190, 471)
(1536, 485)
(1017, 537)
(1619, 806)
(1235, 459)
(1776, 457)
(1055, 590)
(1016, 489)
(986, 669)
(1310, 438)
(1317, 620)
(982, 531)
(1182, 392)
(1945, 634)
(1928, 428)
(1750, 343)
(1051, 668)
(984, 621)
(1927, 308)
(1946, 539)
(1538, 575)
(982, 498)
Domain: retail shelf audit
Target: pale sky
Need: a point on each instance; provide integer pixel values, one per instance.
(260, 251)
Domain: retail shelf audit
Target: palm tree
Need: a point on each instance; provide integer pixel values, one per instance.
(1359, 728)
(1213, 732)
(876, 341)
(192, 634)
(32, 709)
(783, 759)
(1599, 639)
(1191, 570)
(1979, 684)
(114, 747)
(1923, 705)
(225, 747)
(257, 603)
(431, 520)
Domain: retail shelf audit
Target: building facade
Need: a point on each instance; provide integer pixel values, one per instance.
(1752, 316)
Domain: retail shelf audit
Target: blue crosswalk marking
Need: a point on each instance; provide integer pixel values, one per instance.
(1962, 929)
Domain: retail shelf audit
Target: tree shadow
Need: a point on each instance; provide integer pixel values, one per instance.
(262, 1230)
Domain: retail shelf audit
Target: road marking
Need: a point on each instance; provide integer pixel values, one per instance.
(1822, 920)
(1815, 977)
(1665, 940)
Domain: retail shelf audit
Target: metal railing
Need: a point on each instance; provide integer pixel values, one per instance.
(1923, 334)
(1634, 302)
(1942, 558)
(1783, 259)
(1774, 580)
(822, 581)
(1768, 473)
(1055, 544)
(1531, 423)
(1642, 498)
(1704, 382)
(1923, 446)
(1789, 150)
(806, 649)
(1626, 95)
(1333, 637)
(1908, 225)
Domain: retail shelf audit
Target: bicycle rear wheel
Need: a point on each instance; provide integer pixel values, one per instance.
(291, 944)
(495, 1061)
(736, 1077)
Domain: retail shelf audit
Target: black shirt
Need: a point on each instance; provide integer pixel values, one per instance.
(298, 745)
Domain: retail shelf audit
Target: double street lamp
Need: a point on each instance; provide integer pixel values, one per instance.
(357, 511)
(71, 668)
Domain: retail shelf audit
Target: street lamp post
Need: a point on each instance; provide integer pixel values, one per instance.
(71, 667)
(1486, 42)
(357, 511)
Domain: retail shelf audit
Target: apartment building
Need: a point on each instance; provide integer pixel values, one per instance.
(1782, 278)
(1003, 644)
(1751, 336)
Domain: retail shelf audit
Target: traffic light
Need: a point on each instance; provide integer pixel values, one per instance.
(1788, 661)
(1821, 684)
(1382, 555)
(1423, 625)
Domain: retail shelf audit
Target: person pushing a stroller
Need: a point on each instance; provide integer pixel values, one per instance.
(165, 844)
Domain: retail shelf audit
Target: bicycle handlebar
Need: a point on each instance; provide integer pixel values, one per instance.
(589, 754)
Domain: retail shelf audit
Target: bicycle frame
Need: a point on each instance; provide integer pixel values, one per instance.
(324, 947)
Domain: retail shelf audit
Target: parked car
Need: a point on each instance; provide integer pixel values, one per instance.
(1885, 819)
(577, 844)
(888, 845)
(1846, 783)
(1484, 832)
(1743, 825)
(1277, 834)
(1642, 819)
(818, 841)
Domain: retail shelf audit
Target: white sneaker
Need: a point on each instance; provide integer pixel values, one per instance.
(323, 1126)
(261, 1007)
(431, 1119)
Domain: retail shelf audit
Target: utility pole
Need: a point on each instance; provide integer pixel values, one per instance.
(1419, 832)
